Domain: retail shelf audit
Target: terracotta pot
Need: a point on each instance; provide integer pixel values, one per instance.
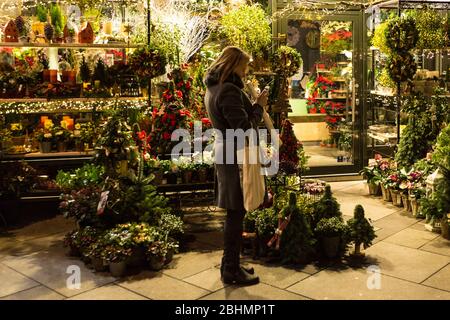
(46, 75)
(118, 269)
(72, 77)
(53, 76)
(18, 141)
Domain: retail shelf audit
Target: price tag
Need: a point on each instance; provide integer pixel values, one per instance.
(102, 203)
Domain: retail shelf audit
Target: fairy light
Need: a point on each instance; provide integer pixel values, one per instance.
(70, 106)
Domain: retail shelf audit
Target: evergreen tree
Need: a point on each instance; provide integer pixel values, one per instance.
(361, 231)
(297, 241)
(327, 207)
(85, 71)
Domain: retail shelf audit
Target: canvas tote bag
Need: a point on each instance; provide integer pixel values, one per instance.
(253, 186)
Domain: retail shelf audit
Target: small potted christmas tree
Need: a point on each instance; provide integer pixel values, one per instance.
(291, 157)
(361, 231)
(297, 240)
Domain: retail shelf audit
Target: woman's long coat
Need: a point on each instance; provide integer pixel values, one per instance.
(229, 108)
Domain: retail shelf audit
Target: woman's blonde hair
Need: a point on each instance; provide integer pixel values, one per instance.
(226, 63)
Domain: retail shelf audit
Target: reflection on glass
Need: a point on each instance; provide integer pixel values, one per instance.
(321, 93)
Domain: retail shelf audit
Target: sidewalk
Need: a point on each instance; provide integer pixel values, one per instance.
(414, 264)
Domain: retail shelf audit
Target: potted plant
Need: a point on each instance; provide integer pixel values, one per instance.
(185, 167)
(96, 252)
(71, 241)
(332, 233)
(156, 254)
(361, 230)
(45, 138)
(62, 137)
(374, 175)
(392, 183)
(117, 256)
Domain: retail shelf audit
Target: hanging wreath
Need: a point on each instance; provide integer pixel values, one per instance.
(147, 63)
(402, 67)
(286, 61)
(401, 34)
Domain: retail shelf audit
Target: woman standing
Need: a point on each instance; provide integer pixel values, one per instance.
(229, 108)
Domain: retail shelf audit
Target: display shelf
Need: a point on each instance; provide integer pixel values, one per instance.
(51, 155)
(69, 45)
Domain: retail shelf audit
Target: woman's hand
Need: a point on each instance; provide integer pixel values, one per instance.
(263, 98)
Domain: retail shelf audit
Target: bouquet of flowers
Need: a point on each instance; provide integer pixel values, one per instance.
(180, 87)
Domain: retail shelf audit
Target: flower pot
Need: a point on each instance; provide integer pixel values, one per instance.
(118, 269)
(61, 146)
(445, 228)
(53, 74)
(45, 146)
(74, 251)
(202, 175)
(18, 141)
(396, 198)
(414, 204)
(98, 264)
(169, 256)
(158, 178)
(79, 146)
(172, 178)
(137, 258)
(46, 75)
(156, 263)
(385, 192)
(406, 202)
(374, 189)
(187, 176)
(331, 246)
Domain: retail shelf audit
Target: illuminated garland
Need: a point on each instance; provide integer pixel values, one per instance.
(69, 106)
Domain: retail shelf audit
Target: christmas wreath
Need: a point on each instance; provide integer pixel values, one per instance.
(402, 67)
(147, 63)
(286, 61)
(401, 34)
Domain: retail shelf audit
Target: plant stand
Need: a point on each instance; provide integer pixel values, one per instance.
(414, 207)
(396, 198)
(406, 202)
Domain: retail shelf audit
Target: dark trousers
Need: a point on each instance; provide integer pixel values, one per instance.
(232, 239)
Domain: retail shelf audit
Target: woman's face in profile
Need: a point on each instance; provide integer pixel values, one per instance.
(242, 69)
(293, 36)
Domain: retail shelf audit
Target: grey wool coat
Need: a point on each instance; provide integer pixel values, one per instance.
(229, 108)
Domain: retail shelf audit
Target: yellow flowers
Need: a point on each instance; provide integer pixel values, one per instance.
(63, 124)
(16, 126)
(48, 124)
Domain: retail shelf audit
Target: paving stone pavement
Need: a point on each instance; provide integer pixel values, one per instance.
(405, 262)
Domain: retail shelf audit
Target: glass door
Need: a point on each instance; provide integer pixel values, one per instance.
(325, 94)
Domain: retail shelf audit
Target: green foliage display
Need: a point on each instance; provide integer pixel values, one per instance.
(85, 71)
(326, 207)
(426, 117)
(401, 34)
(57, 18)
(441, 154)
(360, 229)
(41, 13)
(431, 27)
(330, 227)
(380, 36)
(266, 222)
(87, 175)
(384, 79)
(297, 241)
(286, 61)
(101, 73)
(248, 28)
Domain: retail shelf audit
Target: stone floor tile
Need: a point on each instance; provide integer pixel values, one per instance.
(108, 292)
(157, 286)
(36, 293)
(208, 279)
(372, 206)
(260, 291)
(352, 284)
(43, 228)
(404, 263)
(12, 281)
(308, 269)
(187, 264)
(440, 280)
(439, 246)
(411, 238)
(395, 221)
(11, 247)
(340, 185)
(279, 276)
(419, 225)
(50, 267)
(383, 233)
(214, 238)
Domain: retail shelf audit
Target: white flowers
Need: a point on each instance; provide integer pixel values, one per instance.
(47, 135)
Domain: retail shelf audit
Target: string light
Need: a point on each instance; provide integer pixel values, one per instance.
(62, 106)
